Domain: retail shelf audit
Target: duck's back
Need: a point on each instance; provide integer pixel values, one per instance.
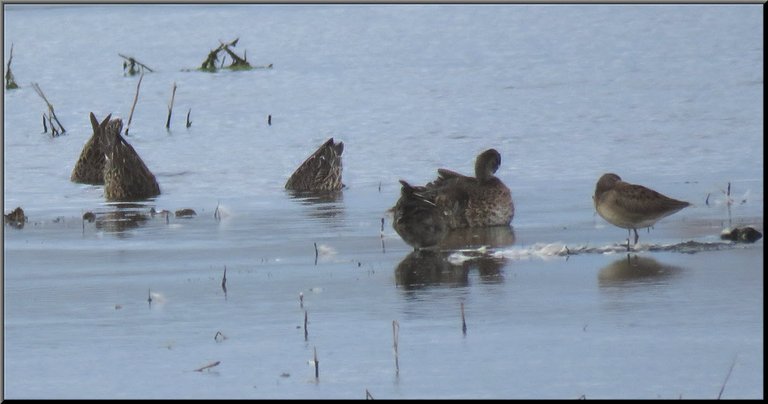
(469, 202)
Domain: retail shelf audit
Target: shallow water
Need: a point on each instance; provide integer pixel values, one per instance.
(666, 96)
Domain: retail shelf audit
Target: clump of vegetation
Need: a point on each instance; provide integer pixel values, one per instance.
(238, 63)
(10, 82)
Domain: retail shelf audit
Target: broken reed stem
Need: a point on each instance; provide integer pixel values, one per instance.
(170, 107)
(45, 126)
(135, 98)
(132, 60)
(224, 280)
(306, 332)
(463, 320)
(368, 395)
(189, 123)
(395, 337)
(10, 82)
(728, 376)
(208, 366)
(317, 365)
(39, 92)
(301, 299)
(149, 297)
(316, 253)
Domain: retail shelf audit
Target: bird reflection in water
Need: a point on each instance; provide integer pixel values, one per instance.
(324, 204)
(120, 218)
(634, 270)
(432, 267)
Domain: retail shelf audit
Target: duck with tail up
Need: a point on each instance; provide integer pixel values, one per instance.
(320, 172)
(89, 168)
(425, 214)
(126, 177)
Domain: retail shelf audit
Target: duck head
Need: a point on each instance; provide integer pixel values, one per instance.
(487, 163)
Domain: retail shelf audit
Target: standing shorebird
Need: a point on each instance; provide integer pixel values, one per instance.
(632, 206)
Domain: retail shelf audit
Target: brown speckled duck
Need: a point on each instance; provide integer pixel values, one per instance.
(89, 168)
(454, 201)
(319, 172)
(126, 177)
(631, 206)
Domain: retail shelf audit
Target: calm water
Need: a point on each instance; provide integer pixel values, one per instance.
(667, 96)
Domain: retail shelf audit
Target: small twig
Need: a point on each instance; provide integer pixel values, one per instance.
(170, 107)
(316, 253)
(189, 123)
(135, 98)
(10, 82)
(728, 376)
(269, 120)
(208, 366)
(45, 126)
(706, 202)
(463, 320)
(224, 281)
(395, 337)
(317, 365)
(39, 92)
(368, 395)
(132, 60)
(306, 332)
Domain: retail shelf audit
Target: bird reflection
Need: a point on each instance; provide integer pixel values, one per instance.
(429, 268)
(325, 204)
(491, 237)
(634, 270)
(119, 218)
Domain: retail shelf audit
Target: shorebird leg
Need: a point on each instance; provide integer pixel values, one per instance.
(628, 234)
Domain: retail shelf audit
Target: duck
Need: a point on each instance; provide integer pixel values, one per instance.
(632, 206)
(425, 214)
(126, 177)
(321, 171)
(89, 168)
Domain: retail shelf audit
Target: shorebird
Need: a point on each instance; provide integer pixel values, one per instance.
(631, 206)
(453, 201)
(319, 172)
(126, 177)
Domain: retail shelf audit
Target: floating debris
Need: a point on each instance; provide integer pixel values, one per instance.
(186, 212)
(746, 234)
(16, 218)
(89, 217)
